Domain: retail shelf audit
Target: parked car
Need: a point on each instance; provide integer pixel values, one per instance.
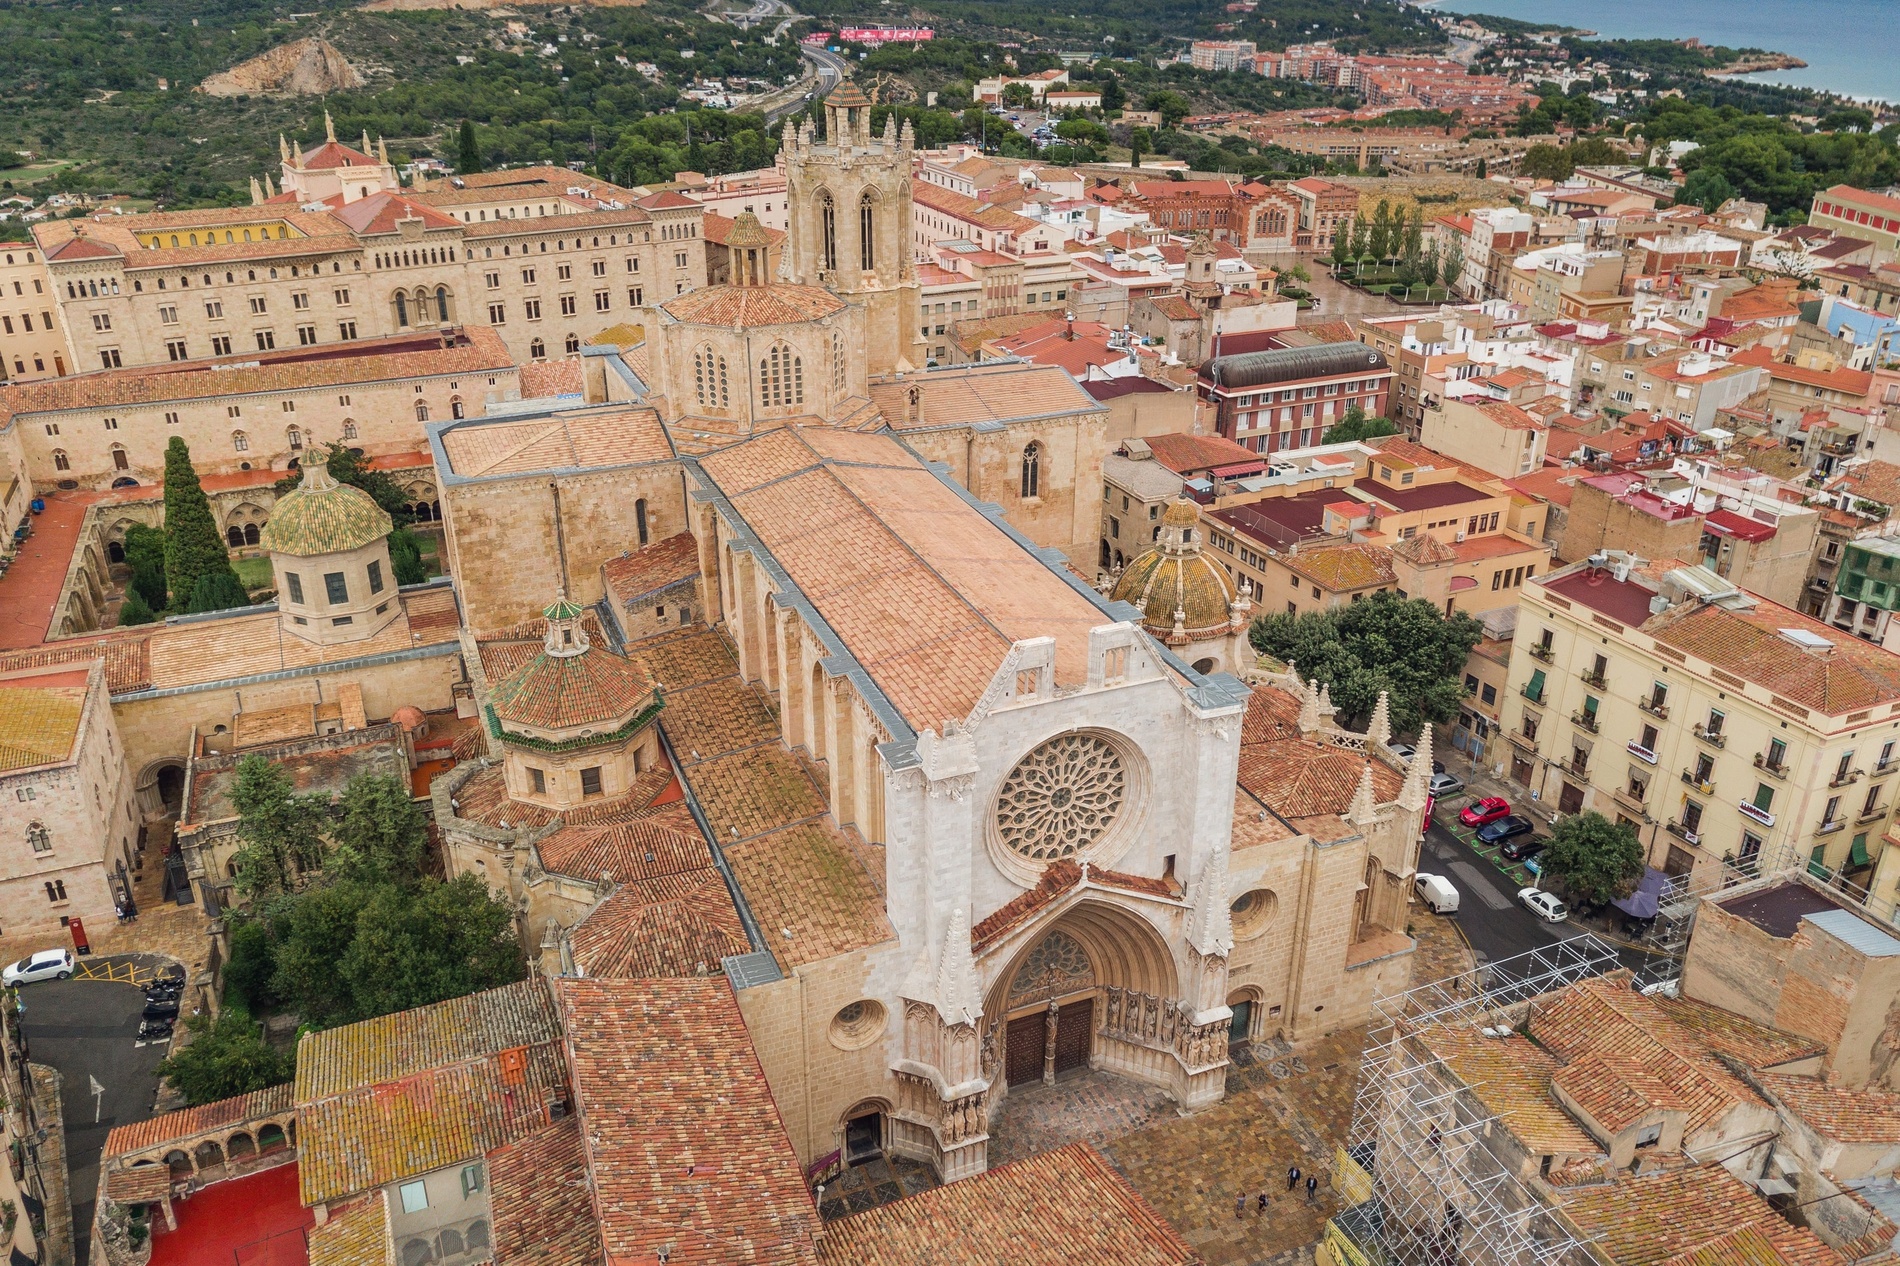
(1504, 829)
(1524, 847)
(1543, 905)
(1405, 752)
(1489, 809)
(45, 965)
(1436, 892)
(1444, 784)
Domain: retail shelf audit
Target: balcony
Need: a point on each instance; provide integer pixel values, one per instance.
(1584, 721)
(1634, 798)
(1882, 767)
(1575, 768)
(1845, 778)
(1682, 832)
(1714, 738)
(1828, 828)
(1655, 708)
(1771, 768)
(1598, 680)
(1705, 787)
(1874, 814)
(1528, 742)
(1537, 698)
(1543, 654)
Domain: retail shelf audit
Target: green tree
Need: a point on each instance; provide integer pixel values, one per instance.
(1342, 245)
(1082, 132)
(347, 466)
(145, 555)
(252, 964)
(1484, 170)
(1403, 646)
(1016, 96)
(381, 832)
(1171, 106)
(1454, 266)
(405, 557)
(415, 946)
(468, 156)
(218, 591)
(1593, 858)
(1707, 188)
(282, 831)
(226, 1056)
(1546, 162)
(135, 610)
(193, 546)
(1379, 237)
(1357, 424)
(1140, 142)
(313, 930)
(1113, 98)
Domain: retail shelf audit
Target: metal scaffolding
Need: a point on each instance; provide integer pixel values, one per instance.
(1423, 1167)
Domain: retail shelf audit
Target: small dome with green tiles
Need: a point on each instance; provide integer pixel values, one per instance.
(322, 516)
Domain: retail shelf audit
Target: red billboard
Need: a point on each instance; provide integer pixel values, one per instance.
(886, 34)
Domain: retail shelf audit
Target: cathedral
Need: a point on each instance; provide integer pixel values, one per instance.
(817, 714)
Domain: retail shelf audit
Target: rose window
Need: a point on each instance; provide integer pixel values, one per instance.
(1061, 798)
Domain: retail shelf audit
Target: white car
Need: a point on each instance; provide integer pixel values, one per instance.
(1543, 905)
(45, 965)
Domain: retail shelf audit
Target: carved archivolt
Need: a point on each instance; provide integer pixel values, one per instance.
(1056, 966)
(1062, 798)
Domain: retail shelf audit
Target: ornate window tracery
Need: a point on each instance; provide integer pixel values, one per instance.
(1032, 470)
(781, 377)
(1062, 798)
(1057, 965)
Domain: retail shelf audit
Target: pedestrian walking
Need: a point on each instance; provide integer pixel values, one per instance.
(1240, 1206)
(1312, 1185)
(1262, 1199)
(1292, 1177)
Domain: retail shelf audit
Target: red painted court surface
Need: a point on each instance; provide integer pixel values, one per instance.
(249, 1221)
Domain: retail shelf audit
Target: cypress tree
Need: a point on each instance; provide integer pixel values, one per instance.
(134, 610)
(145, 555)
(193, 547)
(468, 158)
(217, 591)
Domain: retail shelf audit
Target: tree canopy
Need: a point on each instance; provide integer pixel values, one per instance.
(1405, 647)
(194, 548)
(226, 1056)
(282, 830)
(1593, 858)
(1356, 424)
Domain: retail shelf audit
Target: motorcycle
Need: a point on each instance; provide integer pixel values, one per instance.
(161, 1009)
(155, 1030)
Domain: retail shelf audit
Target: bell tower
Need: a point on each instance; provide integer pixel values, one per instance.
(850, 222)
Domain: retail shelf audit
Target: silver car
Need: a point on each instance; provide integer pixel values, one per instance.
(1543, 905)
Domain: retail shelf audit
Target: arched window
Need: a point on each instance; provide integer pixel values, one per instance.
(837, 365)
(640, 519)
(573, 344)
(402, 308)
(422, 411)
(39, 838)
(349, 429)
(60, 460)
(781, 378)
(867, 232)
(828, 223)
(455, 407)
(725, 390)
(240, 441)
(294, 437)
(234, 536)
(120, 460)
(251, 534)
(1032, 470)
(702, 374)
(537, 350)
(441, 303)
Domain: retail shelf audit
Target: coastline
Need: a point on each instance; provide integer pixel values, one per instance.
(1758, 65)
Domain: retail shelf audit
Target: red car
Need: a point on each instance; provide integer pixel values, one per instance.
(1489, 809)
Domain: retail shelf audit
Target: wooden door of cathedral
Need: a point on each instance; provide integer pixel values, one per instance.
(1075, 1030)
(1027, 1038)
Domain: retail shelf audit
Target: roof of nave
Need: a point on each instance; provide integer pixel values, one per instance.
(923, 589)
(595, 438)
(746, 306)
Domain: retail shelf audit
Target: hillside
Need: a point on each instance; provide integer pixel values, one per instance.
(301, 68)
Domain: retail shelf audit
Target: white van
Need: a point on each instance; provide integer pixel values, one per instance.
(1437, 893)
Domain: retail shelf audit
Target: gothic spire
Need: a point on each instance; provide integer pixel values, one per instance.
(1379, 732)
(957, 999)
(1210, 922)
(1365, 800)
(1418, 775)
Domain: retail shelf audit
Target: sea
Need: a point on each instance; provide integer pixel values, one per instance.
(1851, 47)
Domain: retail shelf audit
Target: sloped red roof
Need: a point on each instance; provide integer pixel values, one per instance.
(332, 154)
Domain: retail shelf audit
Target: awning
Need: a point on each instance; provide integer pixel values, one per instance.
(1238, 469)
(1774, 1187)
(1729, 523)
(1647, 898)
(1857, 855)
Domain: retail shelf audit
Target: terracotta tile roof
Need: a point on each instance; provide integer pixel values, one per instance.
(1744, 1246)
(1874, 480)
(1175, 308)
(321, 516)
(970, 210)
(582, 438)
(1343, 568)
(557, 692)
(540, 1200)
(170, 1127)
(672, 1142)
(811, 897)
(1425, 550)
(1728, 1034)
(1552, 483)
(1068, 1205)
(1646, 1221)
(538, 226)
(1850, 382)
(541, 380)
(1511, 1076)
(42, 722)
(125, 656)
(1871, 1115)
(623, 851)
(77, 248)
(1615, 1091)
(1057, 878)
(385, 212)
(332, 154)
(1852, 676)
(867, 532)
(1604, 1017)
(747, 306)
(338, 1061)
(353, 1236)
(680, 924)
(646, 571)
(1192, 454)
(978, 395)
(142, 1184)
(1299, 780)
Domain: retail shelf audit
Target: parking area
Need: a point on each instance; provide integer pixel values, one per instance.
(86, 1029)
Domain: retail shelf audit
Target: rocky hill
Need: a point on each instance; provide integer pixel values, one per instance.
(303, 68)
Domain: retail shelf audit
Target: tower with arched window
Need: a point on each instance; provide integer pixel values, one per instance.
(849, 193)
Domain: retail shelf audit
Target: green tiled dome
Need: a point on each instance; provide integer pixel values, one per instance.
(322, 516)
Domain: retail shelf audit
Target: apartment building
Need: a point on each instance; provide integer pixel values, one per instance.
(1498, 236)
(1494, 435)
(1871, 217)
(1781, 733)
(1286, 397)
(1222, 54)
(32, 343)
